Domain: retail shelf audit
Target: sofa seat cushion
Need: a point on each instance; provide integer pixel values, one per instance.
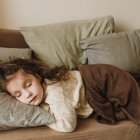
(88, 129)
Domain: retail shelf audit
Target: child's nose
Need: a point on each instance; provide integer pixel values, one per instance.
(27, 94)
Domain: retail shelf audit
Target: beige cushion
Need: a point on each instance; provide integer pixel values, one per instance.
(11, 53)
(119, 49)
(58, 44)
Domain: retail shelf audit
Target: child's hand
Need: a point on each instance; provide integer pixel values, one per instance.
(45, 106)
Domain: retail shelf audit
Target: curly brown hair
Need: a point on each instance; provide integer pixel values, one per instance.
(31, 66)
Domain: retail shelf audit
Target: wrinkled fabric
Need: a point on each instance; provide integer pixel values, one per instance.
(67, 101)
(112, 93)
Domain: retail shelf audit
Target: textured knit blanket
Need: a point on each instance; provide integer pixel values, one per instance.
(114, 94)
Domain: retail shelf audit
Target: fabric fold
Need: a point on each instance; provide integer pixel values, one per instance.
(112, 93)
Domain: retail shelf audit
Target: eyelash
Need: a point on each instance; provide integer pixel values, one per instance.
(28, 84)
(17, 95)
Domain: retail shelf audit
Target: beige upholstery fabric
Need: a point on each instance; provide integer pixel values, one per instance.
(87, 129)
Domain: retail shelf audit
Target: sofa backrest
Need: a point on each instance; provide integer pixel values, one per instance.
(12, 39)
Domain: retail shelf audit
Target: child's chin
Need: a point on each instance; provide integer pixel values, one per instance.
(34, 104)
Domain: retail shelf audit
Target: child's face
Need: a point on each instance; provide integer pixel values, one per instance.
(26, 88)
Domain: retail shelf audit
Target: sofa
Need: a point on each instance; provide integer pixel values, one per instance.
(87, 128)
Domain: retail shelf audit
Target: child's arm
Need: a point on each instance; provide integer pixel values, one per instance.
(65, 117)
(64, 113)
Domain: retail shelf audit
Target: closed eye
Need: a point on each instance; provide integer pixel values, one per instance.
(28, 84)
(17, 94)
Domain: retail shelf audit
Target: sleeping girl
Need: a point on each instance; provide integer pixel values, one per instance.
(107, 92)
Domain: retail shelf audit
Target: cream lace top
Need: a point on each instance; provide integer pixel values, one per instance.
(66, 101)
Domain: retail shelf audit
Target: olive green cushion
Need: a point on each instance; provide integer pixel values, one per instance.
(119, 49)
(14, 114)
(58, 44)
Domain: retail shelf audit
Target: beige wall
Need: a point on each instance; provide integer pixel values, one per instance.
(16, 13)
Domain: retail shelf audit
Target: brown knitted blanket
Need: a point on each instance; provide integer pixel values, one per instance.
(113, 93)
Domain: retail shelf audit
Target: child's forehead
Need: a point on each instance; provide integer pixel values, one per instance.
(19, 74)
(23, 73)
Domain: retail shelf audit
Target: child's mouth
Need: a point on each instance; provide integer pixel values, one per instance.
(33, 100)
